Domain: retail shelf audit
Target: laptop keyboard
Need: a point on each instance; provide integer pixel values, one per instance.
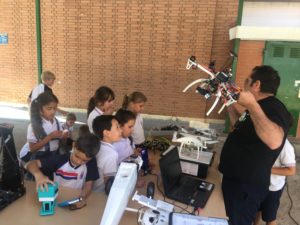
(189, 193)
(186, 189)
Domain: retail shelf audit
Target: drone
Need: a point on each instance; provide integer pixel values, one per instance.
(219, 84)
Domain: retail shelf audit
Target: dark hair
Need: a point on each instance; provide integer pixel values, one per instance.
(101, 95)
(135, 97)
(268, 77)
(102, 123)
(36, 107)
(83, 130)
(71, 116)
(89, 144)
(123, 116)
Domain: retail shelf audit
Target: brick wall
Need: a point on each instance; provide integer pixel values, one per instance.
(250, 55)
(18, 58)
(127, 45)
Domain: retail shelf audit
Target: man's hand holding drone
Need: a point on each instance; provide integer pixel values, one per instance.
(219, 84)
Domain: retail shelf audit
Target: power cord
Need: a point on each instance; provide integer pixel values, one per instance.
(290, 209)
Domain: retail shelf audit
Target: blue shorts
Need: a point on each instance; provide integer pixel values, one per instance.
(270, 205)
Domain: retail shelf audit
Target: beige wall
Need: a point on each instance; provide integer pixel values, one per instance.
(127, 45)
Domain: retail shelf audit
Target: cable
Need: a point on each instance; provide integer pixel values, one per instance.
(290, 209)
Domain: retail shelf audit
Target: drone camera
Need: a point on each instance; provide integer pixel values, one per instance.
(203, 92)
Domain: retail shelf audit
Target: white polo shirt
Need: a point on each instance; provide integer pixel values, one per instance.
(124, 149)
(39, 89)
(107, 162)
(59, 169)
(48, 128)
(286, 158)
(138, 135)
(96, 112)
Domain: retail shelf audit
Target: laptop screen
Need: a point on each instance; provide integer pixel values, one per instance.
(170, 168)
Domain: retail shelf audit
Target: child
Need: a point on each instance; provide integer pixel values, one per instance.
(70, 121)
(68, 126)
(101, 103)
(44, 132)
(285, 165)
(48, 79)
(125, 146)
(107, 128)
(135, 102)
(76, 169)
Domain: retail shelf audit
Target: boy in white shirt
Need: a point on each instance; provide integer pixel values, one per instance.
(76, 169)
(285, 165)
(48, 79)
(106, 127)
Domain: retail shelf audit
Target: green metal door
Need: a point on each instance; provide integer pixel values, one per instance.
(285, 58)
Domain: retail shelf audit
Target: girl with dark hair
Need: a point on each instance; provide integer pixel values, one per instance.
(101, 103)
(44, 131)
(135, 103)
(125, 146)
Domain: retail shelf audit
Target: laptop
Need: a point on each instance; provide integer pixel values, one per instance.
(182, 187)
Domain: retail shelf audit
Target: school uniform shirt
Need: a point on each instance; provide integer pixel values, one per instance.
(96, 112)
(39, 89)
(60, 169)
(48, 128)
(138, 135)
(69, 129)
(286, 158)
(107, 162)
(124, 148)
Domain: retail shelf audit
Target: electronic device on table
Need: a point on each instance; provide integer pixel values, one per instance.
(120, 192)
(11, 177)
(181, 187)
(155, 212)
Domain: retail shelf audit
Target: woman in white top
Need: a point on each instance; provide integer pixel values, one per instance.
(101, 103)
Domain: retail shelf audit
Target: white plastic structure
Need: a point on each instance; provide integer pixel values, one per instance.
(188, 142)
(157, 212)
(120, 192)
